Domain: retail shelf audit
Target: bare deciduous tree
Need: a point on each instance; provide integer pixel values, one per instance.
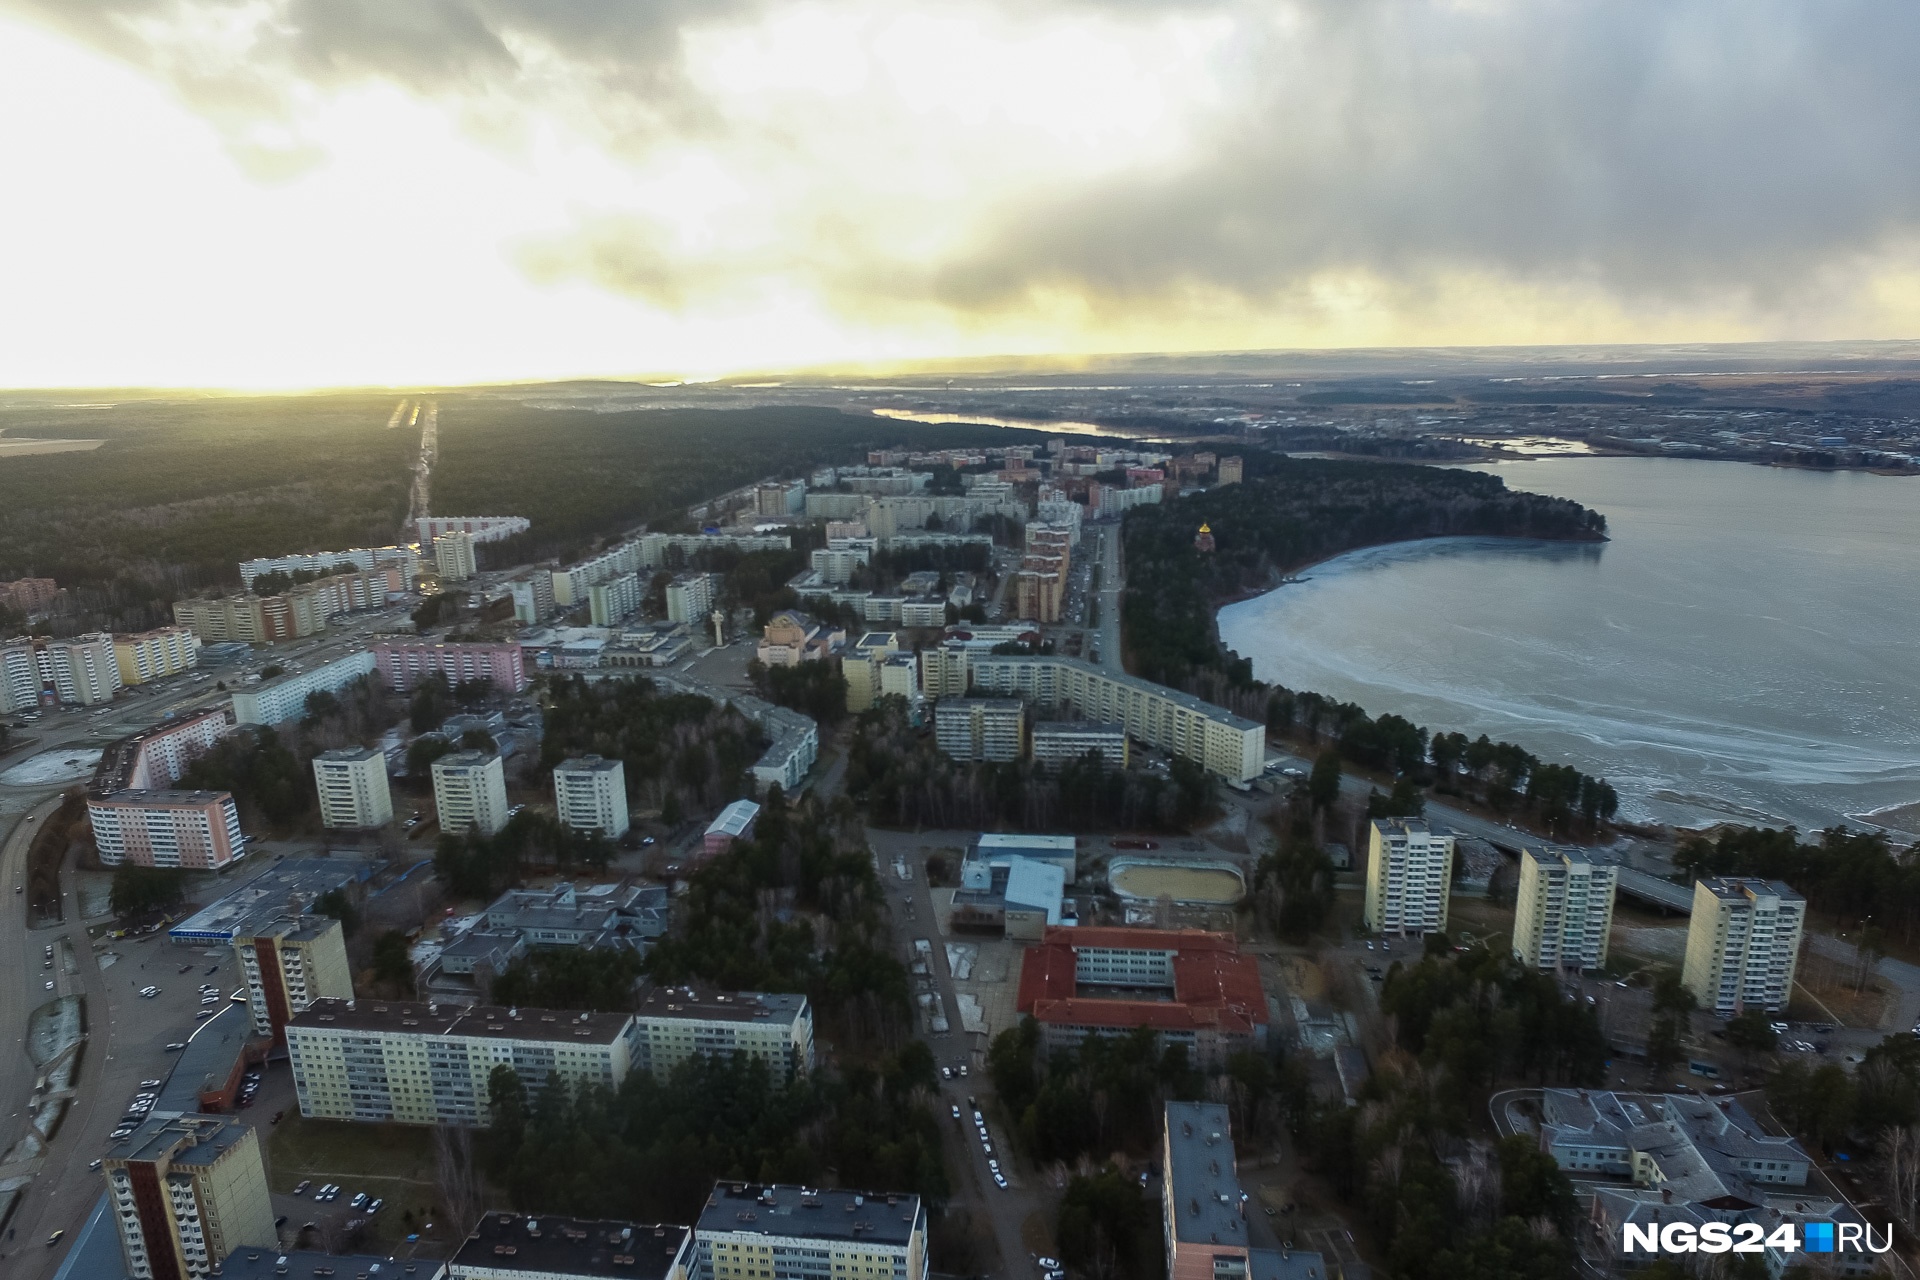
(461, 1190)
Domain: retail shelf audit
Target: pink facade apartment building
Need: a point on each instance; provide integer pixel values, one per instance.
(404, 663)
(197, 829)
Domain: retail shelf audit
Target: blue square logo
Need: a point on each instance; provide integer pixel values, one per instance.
(1817, 1237)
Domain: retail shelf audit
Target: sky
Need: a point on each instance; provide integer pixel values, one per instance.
(302, 193)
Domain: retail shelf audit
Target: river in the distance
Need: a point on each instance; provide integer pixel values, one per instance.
(1743, 649)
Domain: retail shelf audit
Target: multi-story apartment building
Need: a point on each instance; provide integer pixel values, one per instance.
(453, 557)
(482, 528)
(404, 663)
(1165, 719)
(1231, 469)
(1217, 1005)
(470, 792)
(411, 1063)
(836, 566)
(1743, 944)
(28, 595)
(991, 729)
(362, 559)
(156, 654)
(1409, 877)
(532, 596)
(352, 782)
(1061, 742)
(284, 697)
(194, 829)
(1203, 1211)
(19, 675)
(690, 597)
(749, 1232)
(299, 611)
(1564, 909)
(780, 498)
(290, 962)
(185, 1191)
(154, 759)
(677, 1023)
(615, 600)
(513, 1246)
(861, 663)
(591, 795)
(81, 671)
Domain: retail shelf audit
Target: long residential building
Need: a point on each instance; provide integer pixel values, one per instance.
(1203, 1211)
(1062, 742)
(1409, 877)
(377, 1061)
(515, 1246)
(1564, 909)
(156, 654)
(753, 1232)
(590, 794)
(288, 963)
(1165, 719)
(1217, 1005)
(363, 559)
(681, 1022)
(352, 784)
(79, 671)
(284, 697)
(1743, 944)
(154, 759)
(480, 528)
(186, 1190)
(404, 663)
(299, 611)
(199, 830)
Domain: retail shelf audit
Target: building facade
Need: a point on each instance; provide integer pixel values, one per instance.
(470, 792)
(289, 963)
(453, 556)
(156, 654)
(187, 1190)
(1409, 877)
(285, 697)
(82, 671)
(1564, 910)
(377, 1061)
(861, 665)
(677, 1023)
(990, 729)
(1062, 742)
(1743, 944)
(614, 600)
(591, 795)
(352, 782)
(482, 528)
(354, 558)
(154, 759)
(190, 829)
(690, 598)
(404, 663)
(750, 1232)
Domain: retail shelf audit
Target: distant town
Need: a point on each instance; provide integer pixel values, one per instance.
(808, 889)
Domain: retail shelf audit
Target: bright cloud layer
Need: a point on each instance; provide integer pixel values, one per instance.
(306, 192)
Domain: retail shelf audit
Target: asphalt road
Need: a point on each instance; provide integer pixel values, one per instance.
(1112, 584)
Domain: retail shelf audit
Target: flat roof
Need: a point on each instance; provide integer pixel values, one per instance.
(199, 1139)
(588, 764)
(1065, 728)
(162, 799)
(1735, 887)
(269, 894)
(351, 753)
(690, 1001)
(480, 1022)
(251, 1262)
(817, 1213)
(1202, 1182)
(208, 1059)
(1014, 843)
(545, 1244)
(735, 818)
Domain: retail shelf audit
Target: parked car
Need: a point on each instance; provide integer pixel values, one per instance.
(359, 1198)
(373, 1207)
(301, 1189)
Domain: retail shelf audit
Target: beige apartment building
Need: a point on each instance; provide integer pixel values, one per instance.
(288, 964)
(156, 654)
(1743, 944)
(753, 1232)
(187, 1190)
(677, 1023)
(1409, 877)
(453, 556)
(1564, 910)
(470, 792)
(352, 782)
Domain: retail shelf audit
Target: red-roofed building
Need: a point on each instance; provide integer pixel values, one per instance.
(1081, 982)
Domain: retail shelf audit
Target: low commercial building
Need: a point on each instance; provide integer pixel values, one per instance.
(1409, 877)
(397, 1061)
(453, 556)
(677, 1023)
(186, 1191)
(1217, 1005)
(981, 729)
(735, 822)
(156, 654)
(1018, 897)
(755, 1232)
(690, 597)
(470, 792)
(285, 697)
(1564, 909)
(653, 644)
(288, 887)
(404, 663)
(352, 783)
(1203, 1210)
(513, 1246)
(1062, 742)
(601, 915)
(199, 830)
(591, 795)
(154, 759)
(289, 963)
(1743, 944)
(1059, 851)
